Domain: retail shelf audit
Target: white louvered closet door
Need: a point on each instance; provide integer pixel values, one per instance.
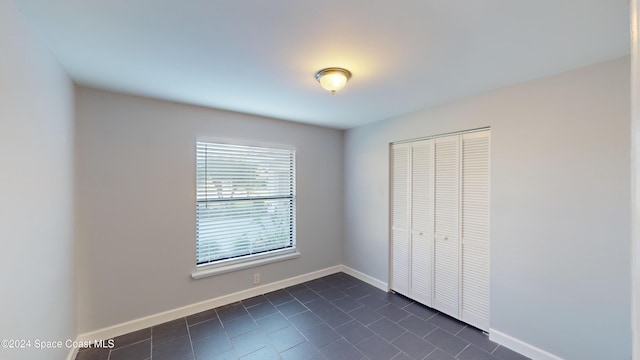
(421, 285)
(446, 211)
(475, 229)
(400, 202)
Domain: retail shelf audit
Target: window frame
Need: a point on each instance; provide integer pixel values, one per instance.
(251, 260)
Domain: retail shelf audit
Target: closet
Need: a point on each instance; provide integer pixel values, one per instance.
(439, 238)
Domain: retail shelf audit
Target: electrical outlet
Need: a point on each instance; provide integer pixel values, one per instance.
(256, 278)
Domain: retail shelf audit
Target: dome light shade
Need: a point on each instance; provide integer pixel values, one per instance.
(333, 79)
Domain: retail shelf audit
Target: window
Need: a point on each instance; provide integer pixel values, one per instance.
(245, 203)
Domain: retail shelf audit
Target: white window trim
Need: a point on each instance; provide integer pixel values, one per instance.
(218, 269)
(237, 264)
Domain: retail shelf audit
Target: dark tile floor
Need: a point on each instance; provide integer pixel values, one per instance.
(335, 317)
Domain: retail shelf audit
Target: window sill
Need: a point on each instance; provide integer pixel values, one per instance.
(206, 272)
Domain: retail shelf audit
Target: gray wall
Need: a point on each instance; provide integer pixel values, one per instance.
(136, 196)
(37, 250)
(560, 205)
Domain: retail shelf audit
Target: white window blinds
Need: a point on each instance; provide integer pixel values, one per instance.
(245, 202)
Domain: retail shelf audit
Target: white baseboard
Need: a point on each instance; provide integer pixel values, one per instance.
(156, 319)
(366, 278)
(521, 347)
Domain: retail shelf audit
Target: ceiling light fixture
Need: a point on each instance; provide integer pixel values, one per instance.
(333, 79)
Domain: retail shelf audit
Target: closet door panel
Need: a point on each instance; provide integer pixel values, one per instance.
(400, 190)
(475, 229)
(422, 221)
(446, 225)
(440, 224)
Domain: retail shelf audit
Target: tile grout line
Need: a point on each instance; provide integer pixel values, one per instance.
(459, 331)
(432, 351)
(151, 343)
(463, 349)
(193, 351)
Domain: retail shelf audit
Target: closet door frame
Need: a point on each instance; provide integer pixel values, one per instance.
(455, 310)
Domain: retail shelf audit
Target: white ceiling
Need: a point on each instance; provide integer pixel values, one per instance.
(259, 57)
